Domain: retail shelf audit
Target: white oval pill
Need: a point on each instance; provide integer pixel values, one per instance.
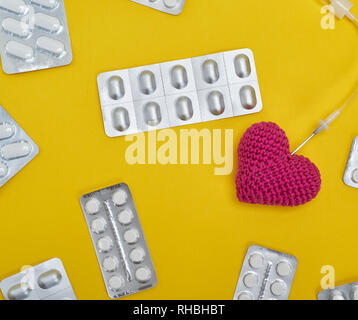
(143, 274)
(51, 46)
(20, 291)
(16, 28)
(47, 4)
(131, 236)
(278, 288)
(119, 198)
(116, 283)
(105, 244)
(245, 296)
(256, 261)
(15, 150)
(137, 255)
(170, 3)
(3, 170)
(250, 280)
(19, 50)
(355, 176)
(283, 269)
(14, 6)
(110, 264)
(93, 206)
(99, 225)
(125, 217)
(47, 23)
(7, 130)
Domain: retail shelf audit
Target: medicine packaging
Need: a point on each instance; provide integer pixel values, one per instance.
(180, 92)
(34, 35)
(119, 242)
(16, 147)
(169, 6)
(46, 281)
(344, 292)
(265, 275)
(351, 173)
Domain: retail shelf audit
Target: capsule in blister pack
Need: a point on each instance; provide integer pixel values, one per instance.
(351, 173)
(265, 275)
(118, 239)
(344, 292)
(179, 92)
(34, 35)
(16, 147)
(169, 6)
(46, 281)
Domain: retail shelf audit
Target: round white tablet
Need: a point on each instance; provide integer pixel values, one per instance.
(278, 288)
(283, 269)
(110, 264)
(338, 296)
(116, 283)
(143, 274)
(3, 170)
(119, 198)
(125, 217)
(137, 255)
(355, 176)
(245, 296)
(105, 244)
(256, 260)
(170, 3)
(92, 206)
(250, 280)
(98, 225)
(131, 236)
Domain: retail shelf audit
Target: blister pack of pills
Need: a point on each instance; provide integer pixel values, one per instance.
(344, 292)
(16, 147)
(46, 281)
(179, 92)
(351, 173)
(265, 275)
(118, 239)
(169, 6)
(34, 35)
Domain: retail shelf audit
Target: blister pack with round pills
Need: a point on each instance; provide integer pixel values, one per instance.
(34, 35)
(46, 281)
(16, 148)
(169, 6)
(265, 275)
(180, 92)
(344, 292)
(351, 173)
(119, 242)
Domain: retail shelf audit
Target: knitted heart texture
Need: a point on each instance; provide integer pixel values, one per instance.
(268, 174)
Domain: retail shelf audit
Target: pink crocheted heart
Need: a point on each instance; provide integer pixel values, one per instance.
(269, 174)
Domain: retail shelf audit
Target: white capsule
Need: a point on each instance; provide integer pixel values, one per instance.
(14, 6)
(116, 283)
(119, 198)
(15, 150)
(116, 87)
(137, 255)
(47, 4)
(179, 77)
(248, 97)
(131, 236)
(3, 170)
(242, 66)
(92, 206)
(125, 217)
(51, 46)
(110, 264)
(143, 274)
(49, 279)
(184, 108)
(47, 23)
(120, 119)
(210, 71)
(147, 83)
(19, 50)
(16, 28)
(20, 291)
(7, 130)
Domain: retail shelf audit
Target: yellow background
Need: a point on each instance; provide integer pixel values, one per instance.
(196, 229)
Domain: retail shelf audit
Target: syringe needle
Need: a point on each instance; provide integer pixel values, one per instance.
(302, 144)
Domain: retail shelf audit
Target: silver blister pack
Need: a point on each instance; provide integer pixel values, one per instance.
(344, 292)
(351, 173)
(46, 281)
(119, 241)
(169, 6)
(265, 275)
(179, 92)
(16, 147)
(34, 35)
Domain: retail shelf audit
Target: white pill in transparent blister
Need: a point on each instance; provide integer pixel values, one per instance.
(3, 170)
(355, 176)
(7, 130)
(245, 296)
(179, 77)
(283, 269)
(15, 150)
(171, 3)
(18, 7)
(248, 97)
(93, 206)
(250, 280)
(210, 71)
(337, 295)
(131, 236)
(256, 260)
(119, 198)
(147, 82)
(355, 293)
(48, 23)
(242, 66)
(47, 4)
(49, 279)
(105, 244)
(116, 283)
(19, 50)
(110, 264)
(143, 274)
(137, 255)
(278, 288)
(16, 28)
(184, 108)
(116, 87)
(125, 217)
(99, 225)
(20, 291)
(51, 46)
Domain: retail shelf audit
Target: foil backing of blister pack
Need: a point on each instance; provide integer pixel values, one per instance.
(46, 281)
(16, 148)
(174, 7)
(34, 35)
(119, 241)
(343, 292)
(179, 92)
(351, 173)
(265, 275)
